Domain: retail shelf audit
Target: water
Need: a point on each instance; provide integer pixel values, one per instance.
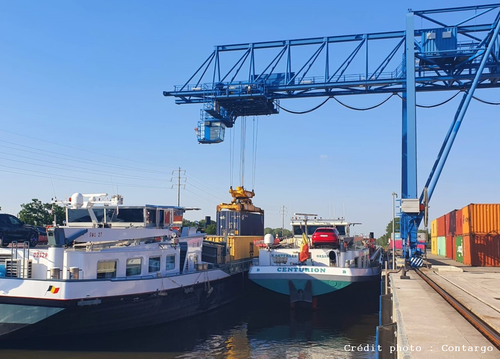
(256, 328)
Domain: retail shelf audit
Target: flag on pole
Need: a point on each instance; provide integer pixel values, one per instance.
(304, 249)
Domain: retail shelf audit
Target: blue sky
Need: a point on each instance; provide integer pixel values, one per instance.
(82, 111)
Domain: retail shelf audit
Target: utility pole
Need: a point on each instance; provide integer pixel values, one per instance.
(178, 184)
(282, 219)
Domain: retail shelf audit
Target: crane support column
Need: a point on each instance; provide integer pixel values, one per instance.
(409, 139)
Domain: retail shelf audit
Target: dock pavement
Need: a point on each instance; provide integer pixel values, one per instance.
(429, 327)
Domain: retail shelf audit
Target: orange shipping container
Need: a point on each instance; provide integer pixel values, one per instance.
(481, 250)
(481, 218)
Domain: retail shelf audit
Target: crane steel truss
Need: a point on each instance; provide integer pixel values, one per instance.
(461, 56)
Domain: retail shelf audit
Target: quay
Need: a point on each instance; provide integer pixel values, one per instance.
(427, 326)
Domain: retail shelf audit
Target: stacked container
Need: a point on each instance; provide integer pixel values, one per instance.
(434, 246)
(459, 253)
(441, 236)
(481, 234)
(470, 235)
(449, 220)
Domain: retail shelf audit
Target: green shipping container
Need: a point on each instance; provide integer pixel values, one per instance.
(459, 249)
(441, 246)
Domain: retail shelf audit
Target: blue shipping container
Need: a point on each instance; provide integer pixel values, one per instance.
(240, 223)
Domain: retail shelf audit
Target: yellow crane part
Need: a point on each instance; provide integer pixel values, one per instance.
(241, 202)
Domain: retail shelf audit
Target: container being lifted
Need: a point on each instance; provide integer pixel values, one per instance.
(240, 217)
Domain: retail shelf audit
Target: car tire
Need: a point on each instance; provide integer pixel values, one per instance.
(2, 240)
(33, 239)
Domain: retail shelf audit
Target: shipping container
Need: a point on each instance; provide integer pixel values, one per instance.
(481, 218)
(235, 223)
(434, 245)
(451, 221)
(398, 244)
(446, 223)
(466, 249)
(434, 229)
(441, 244)
(481, 249)
(459, 222)
(450, 248)
(459, 249)
(238, 247)
(441, 227)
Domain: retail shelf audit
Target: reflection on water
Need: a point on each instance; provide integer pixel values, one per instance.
(252, 328)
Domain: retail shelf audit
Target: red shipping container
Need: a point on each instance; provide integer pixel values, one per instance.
(451, 223)
(482, 250)
(449, 247)
(458, 222)
(485, 250)
(447, 224)
(441, 227)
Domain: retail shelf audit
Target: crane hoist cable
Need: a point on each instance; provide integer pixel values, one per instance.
(254, 149)
(242, 150)
(231, 158)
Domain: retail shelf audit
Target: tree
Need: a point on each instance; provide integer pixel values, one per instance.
(211, 229)
(384, 240)
(276, 232)
(200, 225)
(41, 214)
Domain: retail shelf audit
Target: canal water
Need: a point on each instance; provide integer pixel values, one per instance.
(257, 327)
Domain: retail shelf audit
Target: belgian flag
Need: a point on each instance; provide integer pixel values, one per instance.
(53, 289)
(304, 249)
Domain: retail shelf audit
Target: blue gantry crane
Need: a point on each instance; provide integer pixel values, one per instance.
(461, 56)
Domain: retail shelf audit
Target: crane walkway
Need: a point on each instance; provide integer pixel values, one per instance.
(429, 327)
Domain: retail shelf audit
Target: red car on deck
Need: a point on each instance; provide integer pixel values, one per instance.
(326, 237)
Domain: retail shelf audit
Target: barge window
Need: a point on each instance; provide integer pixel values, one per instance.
(133, 266)
(170, 262)
(154, 264)
(81, 215)
(341, 230)
(127, 215)
(106, 269)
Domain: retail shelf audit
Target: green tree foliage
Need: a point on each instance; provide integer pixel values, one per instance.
(210, 229)
(384, 240)
(41, 214)
(276, 232)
